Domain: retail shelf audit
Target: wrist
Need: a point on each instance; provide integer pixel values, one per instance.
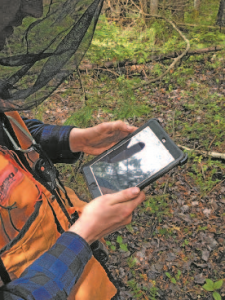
(83, 232)
(76, 140)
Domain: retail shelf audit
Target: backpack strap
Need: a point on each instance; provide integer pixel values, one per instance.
(3, 273)
(24, 141)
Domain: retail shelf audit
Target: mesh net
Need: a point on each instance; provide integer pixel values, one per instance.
(50, 50)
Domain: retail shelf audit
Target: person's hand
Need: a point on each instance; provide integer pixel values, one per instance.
(97, 139)
(107, 213)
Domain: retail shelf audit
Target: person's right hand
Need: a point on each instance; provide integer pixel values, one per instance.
(107, 213)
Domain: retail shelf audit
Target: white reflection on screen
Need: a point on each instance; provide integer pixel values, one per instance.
(140, 158)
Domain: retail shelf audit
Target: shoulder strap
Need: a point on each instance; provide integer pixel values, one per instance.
(24, 141)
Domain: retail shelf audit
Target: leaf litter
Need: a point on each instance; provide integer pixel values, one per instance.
(181, 231)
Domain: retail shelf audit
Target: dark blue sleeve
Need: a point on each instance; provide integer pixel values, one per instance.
(53, 274)
(54, 140)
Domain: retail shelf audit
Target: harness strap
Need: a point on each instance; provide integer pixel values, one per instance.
(3, 273)
(58, 225)
(23, 139)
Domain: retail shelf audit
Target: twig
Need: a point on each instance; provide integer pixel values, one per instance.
(205, 153)
(169, 175)
(109, 71)
(185, 178)
(174, 113)
(197, 25)
(203, 173)
(81, 158)
(214, 187)
(164, 191)
(82, 87)
(212, 142)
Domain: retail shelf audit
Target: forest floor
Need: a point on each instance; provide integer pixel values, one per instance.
(177, 237)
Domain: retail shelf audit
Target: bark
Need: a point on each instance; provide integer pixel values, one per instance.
(154, 4)
(221, 14)
(197, 4)
(144, 7)
(196, 8)
(179, 6)
(205, 153)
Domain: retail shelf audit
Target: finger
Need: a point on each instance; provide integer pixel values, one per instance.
(137, 201)
(121, 126)
(124, 196)
(126, 209)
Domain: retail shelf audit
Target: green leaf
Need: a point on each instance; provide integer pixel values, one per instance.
(123, 247)
(119, 239)
(178, 275)
(113, 248)
(218, 284)
(129, 228)
(173, 280)
(209, 286)
(168, 275)
(217, 296)
(108, 243)
(209, 282)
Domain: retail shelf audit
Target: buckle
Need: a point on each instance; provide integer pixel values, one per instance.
(99, 251)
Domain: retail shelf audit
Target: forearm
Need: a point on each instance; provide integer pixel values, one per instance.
(53, 274)
(53, 139)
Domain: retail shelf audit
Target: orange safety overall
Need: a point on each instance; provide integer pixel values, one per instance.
(30, 218)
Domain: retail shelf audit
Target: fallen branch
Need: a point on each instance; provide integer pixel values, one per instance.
(125, 63)
(215, 187)
(197, 25)
(205, 153)
(176, 60)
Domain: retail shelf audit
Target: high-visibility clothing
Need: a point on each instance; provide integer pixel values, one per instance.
(32, 219)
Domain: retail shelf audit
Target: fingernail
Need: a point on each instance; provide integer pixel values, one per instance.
(135, 190)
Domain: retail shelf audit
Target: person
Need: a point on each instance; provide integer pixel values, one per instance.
(43, 254)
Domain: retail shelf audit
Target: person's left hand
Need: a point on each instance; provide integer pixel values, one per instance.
(97, 139)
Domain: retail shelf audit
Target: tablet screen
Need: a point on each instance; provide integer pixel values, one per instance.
(130, 164)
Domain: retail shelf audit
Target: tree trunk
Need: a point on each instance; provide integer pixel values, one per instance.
(144, 7)
(221, 14)
(179, 7)
(197, 4)
(196, 8)
(154, 7)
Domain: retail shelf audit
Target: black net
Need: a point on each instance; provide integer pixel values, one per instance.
(50, 50)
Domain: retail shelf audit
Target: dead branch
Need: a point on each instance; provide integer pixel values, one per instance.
(205, 153)
(125, 63)
(176, 60)
(197, 25)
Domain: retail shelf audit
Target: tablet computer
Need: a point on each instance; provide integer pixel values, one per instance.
(137, 160)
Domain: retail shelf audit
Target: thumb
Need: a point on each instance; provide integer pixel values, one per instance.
(125, 195)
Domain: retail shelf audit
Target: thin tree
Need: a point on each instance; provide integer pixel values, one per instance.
(144, 8)
(154, 5)
(196, 8)
(221, 14)
(179, 8)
